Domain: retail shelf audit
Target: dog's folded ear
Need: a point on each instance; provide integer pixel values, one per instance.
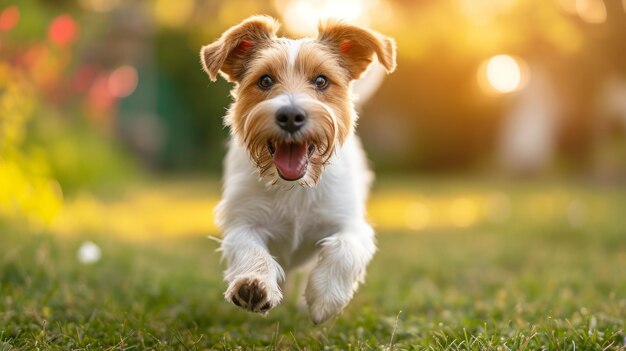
(228, 54)
(357, 46)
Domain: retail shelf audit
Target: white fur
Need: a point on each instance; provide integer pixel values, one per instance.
(293, 47)
(268, 230)
(366, 86)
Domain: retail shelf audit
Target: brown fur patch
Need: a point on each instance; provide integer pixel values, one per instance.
(357, 46)
(249, 51)
(228, 56)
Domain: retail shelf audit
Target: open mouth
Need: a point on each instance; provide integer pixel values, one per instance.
(291, 159)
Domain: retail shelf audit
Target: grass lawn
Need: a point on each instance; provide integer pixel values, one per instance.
(549, 273)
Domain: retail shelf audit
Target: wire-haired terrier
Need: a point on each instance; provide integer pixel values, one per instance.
(296, 177)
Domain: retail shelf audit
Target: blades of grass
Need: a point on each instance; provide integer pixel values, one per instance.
(393, 332)
(178, 337)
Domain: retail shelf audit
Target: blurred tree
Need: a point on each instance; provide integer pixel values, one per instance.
(432, 110)
(69, 125)
(431, 115)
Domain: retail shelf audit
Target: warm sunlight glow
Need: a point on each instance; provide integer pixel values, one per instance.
(301, 16)
(484, 11)
(502, 74)
(569, 6)
(464, 212)
(173, 13)
(591, 11)
(417, 216)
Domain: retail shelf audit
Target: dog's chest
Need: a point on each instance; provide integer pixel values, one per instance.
(304, 217)
(293, 220)
(304, 213)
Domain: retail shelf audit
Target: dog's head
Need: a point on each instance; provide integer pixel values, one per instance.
(292, 105)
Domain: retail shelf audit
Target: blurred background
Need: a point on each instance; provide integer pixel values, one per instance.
(498, 108)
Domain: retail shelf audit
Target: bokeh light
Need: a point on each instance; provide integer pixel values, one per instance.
(502, 74)
(591, 11)
(89, 253)
(301, 16)
(63, 30)
(9, 18)
(123, 81)
(417, 216)
(464, 212)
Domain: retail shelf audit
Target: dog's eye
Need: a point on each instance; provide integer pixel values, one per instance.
(321, 82)
(266, 82)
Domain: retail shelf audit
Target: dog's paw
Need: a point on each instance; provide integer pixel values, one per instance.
(324, 308)
(323, 305)
(253, 295)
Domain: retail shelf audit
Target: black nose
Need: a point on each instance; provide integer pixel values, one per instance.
(290, 118)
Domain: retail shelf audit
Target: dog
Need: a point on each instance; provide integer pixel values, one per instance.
(295, 175)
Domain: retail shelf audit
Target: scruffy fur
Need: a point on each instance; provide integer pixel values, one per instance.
(272, 225)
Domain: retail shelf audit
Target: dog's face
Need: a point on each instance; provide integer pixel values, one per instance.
(292, 105)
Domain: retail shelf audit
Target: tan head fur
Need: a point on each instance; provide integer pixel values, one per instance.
(308, 78)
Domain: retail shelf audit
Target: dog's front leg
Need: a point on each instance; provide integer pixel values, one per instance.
(253, 275)
(341, 267)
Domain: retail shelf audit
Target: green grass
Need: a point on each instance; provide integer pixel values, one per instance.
(519, 285)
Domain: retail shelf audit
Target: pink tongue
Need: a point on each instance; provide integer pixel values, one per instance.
(290, 159)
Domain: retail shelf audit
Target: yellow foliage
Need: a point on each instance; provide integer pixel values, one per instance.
(145, 213)
(26, 190)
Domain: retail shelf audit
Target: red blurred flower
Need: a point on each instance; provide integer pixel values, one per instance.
(9, 18)
(123, 81)
(63, 30)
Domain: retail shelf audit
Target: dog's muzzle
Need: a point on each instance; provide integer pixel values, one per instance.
(291, 118)
(291, 158)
